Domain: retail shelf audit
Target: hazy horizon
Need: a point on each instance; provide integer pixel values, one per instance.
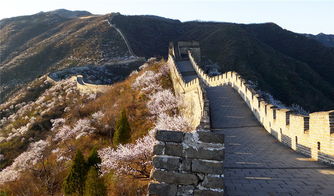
(299, 16)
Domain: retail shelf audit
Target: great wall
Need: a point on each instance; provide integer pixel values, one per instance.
(203, 163)
(230, 153)
(120, 33)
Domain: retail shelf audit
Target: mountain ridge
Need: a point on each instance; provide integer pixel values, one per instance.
(288, 65)
(325, 39)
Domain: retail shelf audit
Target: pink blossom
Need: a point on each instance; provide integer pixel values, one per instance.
(81, 128)
(131, 159)
(164, 70)
(143, 66)
(148, 81)
(176, 122)
(56, 123)
(97, 115)
(162, 101)
(24, 161)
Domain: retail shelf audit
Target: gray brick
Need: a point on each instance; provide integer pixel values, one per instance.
(207, 166)
(207, 193)
(169, 136)
(174, 149)
(213, 182)
(159, 148)
(169, 163)
(175, 177)
(203, 153)
(157, 189)
(210, 137)
(186, 164)
(186, 190)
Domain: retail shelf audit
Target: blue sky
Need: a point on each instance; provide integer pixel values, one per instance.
(302, 16)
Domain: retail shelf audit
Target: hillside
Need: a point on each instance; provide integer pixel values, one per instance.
(34, 45)
(40, 138)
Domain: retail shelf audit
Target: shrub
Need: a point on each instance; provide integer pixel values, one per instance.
(122, 130)
(93, 159)
(75, 181)
(94, 185)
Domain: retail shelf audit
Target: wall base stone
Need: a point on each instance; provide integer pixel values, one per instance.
(162, 189)
(175, 177)
(169, 163)
(187, 167)
(208, 193)
(210, 137)
(207, 166)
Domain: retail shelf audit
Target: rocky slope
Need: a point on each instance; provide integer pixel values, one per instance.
(48, 41)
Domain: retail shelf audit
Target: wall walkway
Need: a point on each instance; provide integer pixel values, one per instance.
(255, 163)
(311, 135)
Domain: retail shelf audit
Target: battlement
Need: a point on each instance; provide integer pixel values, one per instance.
(311, 135)
(193, 95)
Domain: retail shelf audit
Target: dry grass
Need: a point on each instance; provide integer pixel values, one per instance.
(120, 96)
(123, 96)
(126, 186)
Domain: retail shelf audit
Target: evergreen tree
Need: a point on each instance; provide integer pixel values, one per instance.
(75, 181)
(93, 159)
(122, 130)
(94, 185)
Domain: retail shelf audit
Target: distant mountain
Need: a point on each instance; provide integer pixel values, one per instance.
(325, 39)
(69, 14)
(293, 68)
(290, 66)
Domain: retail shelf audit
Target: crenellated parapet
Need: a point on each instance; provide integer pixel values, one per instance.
(311, 135)
(89, 88)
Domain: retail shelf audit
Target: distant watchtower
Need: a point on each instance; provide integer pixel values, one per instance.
(181, 49)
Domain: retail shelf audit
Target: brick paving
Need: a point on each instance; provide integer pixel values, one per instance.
(187, 70)
(255, 162)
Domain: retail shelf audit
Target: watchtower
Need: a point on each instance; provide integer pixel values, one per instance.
(181, 49)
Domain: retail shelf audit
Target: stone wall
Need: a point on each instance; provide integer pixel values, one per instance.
(187, 164)
(89, 88)
(311, 135)
(196, 105)
(85, 87)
